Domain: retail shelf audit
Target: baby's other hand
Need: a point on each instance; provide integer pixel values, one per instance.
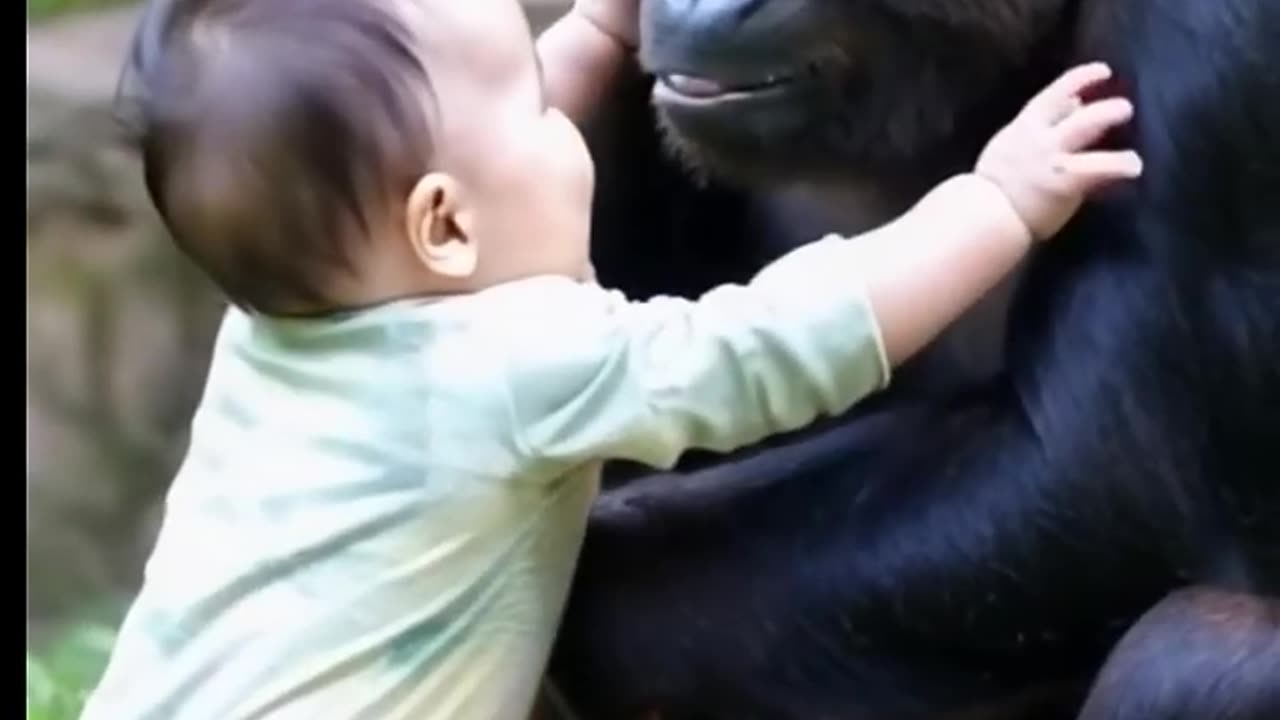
(618, 18)
(1039, 159)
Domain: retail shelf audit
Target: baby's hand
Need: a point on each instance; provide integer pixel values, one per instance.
(618, 18)
(1038, 159)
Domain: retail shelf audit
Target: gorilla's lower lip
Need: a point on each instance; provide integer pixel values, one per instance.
(689, 87)
(694, 90)
(694, 86)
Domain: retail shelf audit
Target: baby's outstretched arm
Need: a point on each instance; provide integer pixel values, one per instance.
(924, 269)
(583, 52)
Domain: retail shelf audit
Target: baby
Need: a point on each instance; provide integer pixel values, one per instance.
(417, 382)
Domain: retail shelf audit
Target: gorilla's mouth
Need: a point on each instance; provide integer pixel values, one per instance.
(679, 88)
(692, 88)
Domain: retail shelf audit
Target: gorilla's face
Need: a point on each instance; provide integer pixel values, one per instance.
(839, 90)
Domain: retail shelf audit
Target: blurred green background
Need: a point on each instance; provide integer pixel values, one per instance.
(39, 10)
(117, 326)
(119, 329)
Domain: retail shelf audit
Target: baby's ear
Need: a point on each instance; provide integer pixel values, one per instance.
(440, 239)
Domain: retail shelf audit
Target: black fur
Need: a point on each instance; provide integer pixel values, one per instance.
(973, 542)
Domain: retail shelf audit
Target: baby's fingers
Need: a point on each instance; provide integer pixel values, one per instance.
(1063, 95)
(1086, 126)
(1085, 171)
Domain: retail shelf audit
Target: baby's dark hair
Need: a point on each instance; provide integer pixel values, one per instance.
(275, 134)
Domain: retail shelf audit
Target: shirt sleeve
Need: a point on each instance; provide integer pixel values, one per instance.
(604, 378)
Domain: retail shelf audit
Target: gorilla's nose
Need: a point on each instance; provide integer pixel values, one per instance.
(720, 38)
(709, 11)
(699, 17)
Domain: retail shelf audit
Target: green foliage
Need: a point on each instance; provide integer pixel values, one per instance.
(42, 9)
(60, 677)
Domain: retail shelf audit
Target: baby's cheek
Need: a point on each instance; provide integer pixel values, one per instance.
(588, 177)
(575, 161)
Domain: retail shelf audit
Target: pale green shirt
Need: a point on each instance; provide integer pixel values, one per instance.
(379, 514)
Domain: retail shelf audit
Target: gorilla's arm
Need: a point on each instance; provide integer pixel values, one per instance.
(960, 557)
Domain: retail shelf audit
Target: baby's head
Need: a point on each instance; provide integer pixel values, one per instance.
(315, 155)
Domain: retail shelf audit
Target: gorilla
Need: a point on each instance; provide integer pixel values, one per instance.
(1069, 506)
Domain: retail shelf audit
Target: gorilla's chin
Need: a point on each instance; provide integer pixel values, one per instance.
(773, 97)
(817, 123)
(758, 132)
(756, 101)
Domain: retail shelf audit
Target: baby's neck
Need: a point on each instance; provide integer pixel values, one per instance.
(427, 287)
